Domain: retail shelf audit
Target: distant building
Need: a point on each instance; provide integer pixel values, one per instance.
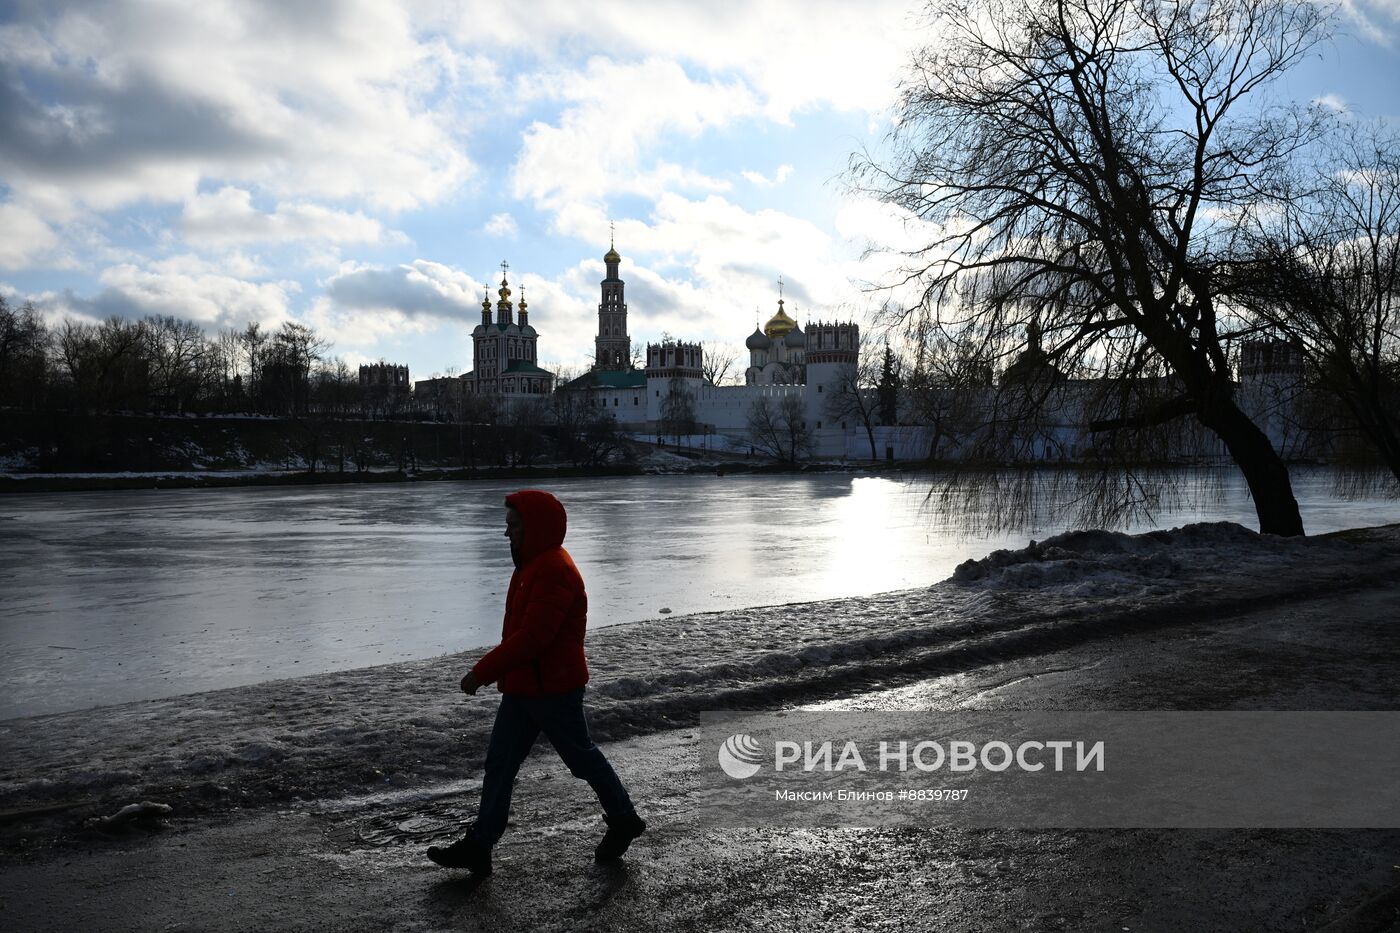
(612, 348)
(671, 395)
(1033, 364)
(777, 353)
(612, 382)
(1263, 358)
(384, 377)
(441, 396)
(384, 387)
(504, 356)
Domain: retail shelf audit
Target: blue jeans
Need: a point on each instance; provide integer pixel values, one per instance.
(519, 721)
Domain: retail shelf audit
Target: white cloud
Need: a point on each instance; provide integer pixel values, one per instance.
(227, 216)
(206, 297)
(184, 287)
(361, 330)
(1374, 19)
(363, 307)
(617, 113)
(1332, 102)
(792, 54)
(123, 101)
(763, 181)
(421, 288)
(24, 237)
(308, 127)
(501, 225)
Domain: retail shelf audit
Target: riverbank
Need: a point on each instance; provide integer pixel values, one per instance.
(1208, 617)
(63, 452)
(650, 462)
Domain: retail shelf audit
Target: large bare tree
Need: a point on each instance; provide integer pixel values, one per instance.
(779, 428)
(854, 397)
(720, 364)
(1079, 162)
(1319, 267)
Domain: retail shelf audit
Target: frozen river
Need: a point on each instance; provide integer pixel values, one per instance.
(117, 596)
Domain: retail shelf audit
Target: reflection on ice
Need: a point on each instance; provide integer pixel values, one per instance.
(119, 596)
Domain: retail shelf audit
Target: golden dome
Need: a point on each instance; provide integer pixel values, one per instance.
(779, 325)
(612, 255)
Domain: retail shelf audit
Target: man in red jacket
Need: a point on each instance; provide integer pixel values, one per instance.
(540, 670)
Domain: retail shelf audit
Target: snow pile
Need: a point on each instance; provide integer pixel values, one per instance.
(18, 460)
(408, 724)
(1107, 563)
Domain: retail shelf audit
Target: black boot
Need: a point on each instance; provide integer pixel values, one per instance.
(621, 831)
(466, 853)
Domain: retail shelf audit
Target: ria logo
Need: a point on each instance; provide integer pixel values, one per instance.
(740, 756)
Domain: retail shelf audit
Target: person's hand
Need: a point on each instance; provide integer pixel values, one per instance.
(470, 685)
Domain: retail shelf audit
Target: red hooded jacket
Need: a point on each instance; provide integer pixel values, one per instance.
(541, 649)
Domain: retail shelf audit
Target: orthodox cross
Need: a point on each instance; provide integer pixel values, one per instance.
(780, 288)
(612, 235)
(504, 266)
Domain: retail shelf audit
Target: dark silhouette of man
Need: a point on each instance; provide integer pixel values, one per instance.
(540, 670)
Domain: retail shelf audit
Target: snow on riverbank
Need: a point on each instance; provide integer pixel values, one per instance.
(407, 723)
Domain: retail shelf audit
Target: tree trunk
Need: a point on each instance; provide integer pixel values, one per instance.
(1261, 465)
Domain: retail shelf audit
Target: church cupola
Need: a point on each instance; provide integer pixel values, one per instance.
(779, 325)
(524, 313)
(612, 258)
(503, 306)
(486, 310)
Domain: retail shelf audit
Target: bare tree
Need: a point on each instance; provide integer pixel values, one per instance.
(678, 409)
(24, 346)
(1319, 267)
(1080, 161)
(285, 373)
(179, 358)
(719, 363)
(853, 395)
(522, 437)
(227, 351)
(945, 391)
(254, 351)
(779, 429)
(104, 365)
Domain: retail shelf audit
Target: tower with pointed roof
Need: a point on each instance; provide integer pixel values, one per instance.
(612, 348)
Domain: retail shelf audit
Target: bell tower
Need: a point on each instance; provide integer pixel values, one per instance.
(612, 346)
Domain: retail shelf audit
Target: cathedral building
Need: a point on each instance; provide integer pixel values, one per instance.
(777, 353)
(504, 356)
(671, 389)
(672, 386)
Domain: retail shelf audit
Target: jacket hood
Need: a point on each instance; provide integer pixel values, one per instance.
(543, 519)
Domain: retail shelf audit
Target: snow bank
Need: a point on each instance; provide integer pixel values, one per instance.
(1111, 563)
(407, 723)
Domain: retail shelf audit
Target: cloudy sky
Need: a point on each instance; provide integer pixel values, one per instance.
(366, 166)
